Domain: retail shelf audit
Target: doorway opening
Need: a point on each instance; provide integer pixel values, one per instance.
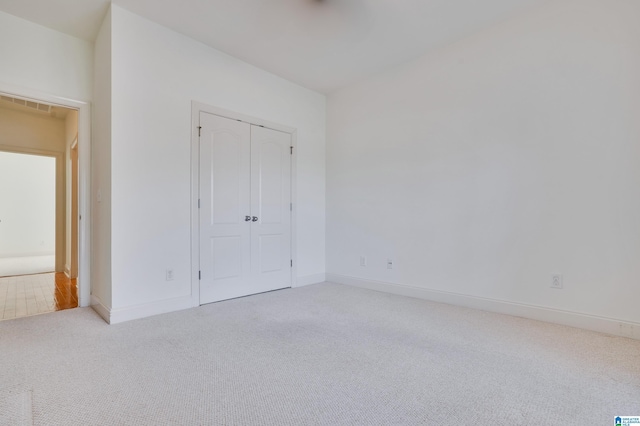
(38, 207)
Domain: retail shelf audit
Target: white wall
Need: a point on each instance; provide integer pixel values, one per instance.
(28, 207)
(483, 168)
(42, 59)
(101, 170)
(156, 73)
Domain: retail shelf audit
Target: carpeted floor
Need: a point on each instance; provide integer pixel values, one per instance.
(15, 408)
(324, 354)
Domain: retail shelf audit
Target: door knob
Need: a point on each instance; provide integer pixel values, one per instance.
(254, 219)
(247, 218)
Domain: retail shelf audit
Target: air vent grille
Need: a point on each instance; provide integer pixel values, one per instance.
(29, 104)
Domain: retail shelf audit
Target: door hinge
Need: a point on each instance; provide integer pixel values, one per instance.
(199, 275)
(199, 129)
(198, 202)
(291, 150)
(292, 263)
(290, 207)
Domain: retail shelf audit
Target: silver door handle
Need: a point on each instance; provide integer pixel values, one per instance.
(247, 218)
(254, 219)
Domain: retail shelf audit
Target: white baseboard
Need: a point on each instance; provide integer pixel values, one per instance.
(129, 313)
(118, 315)
(573, 319)
(310, 279)
(99, 307)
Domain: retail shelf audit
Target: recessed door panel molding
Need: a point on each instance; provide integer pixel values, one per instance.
(227, 178)
(244, 218)
(271, 247)
(226, 257)
(271, 180)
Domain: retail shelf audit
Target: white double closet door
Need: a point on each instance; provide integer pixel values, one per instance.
(245, 214)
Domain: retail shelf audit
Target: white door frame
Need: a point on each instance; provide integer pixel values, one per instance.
(196, 109)
(84, 177)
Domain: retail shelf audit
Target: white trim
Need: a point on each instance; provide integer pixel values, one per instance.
(310, 279)
(115, 316)
(99, 307)
(149, 309)
(573, 319)
(199, 106)
(84, 177)
(196, 109)
(32, 151)
(195, 190)
(294, 210)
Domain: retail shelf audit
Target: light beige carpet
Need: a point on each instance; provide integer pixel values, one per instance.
(320, 355)
(15, 409)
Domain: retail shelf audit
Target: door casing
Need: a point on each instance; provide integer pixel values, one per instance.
(84, 177)
(196, 109)
(73, 267)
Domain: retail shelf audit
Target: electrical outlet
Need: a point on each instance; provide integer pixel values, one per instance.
(556, 281)
(169, 274)
(389, 263)
(363, 260)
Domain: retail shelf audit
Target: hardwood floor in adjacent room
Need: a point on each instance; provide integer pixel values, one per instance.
(25, 295)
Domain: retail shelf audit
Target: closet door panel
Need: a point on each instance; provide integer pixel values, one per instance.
(225, 235)
(270, 203)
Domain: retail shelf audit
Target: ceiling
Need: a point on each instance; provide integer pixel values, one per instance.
(320, 44)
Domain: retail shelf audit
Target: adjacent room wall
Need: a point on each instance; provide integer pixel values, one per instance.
(156, 73)
(487, 166)
(28, 207)
(32, 132)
